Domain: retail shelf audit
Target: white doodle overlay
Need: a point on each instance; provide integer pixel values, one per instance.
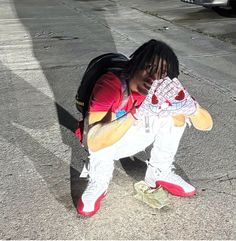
(167, 97)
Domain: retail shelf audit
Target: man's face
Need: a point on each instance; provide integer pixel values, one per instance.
(142, 80)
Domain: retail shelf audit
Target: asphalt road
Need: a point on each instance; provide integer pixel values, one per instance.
(215, 22)
(45, 47)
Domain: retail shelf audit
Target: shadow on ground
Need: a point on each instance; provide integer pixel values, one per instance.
(225, 12)
(58, 44)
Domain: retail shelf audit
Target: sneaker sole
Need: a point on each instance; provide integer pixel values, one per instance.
(175, 189)
(80, 206)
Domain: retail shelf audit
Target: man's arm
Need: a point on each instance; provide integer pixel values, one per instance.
(104, 130)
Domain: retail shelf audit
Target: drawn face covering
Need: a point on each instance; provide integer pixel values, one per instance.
(168, 97)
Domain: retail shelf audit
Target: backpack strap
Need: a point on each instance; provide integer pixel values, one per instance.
(124, 85)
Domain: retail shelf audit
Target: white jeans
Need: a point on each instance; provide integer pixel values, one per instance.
(163, 134)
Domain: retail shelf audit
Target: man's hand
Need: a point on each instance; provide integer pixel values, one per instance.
(167, 97)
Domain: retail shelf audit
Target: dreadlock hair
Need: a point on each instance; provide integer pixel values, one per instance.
(151, 52)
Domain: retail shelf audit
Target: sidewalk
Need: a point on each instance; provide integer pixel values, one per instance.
(45, 47)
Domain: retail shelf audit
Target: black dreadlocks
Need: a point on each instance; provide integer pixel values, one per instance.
(151, 52)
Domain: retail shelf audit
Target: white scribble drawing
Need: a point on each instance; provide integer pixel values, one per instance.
(168, 97)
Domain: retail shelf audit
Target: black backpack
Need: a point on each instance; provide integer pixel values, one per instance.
(98, 66)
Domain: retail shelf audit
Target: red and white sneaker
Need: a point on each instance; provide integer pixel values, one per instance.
(90, 201)
(169, 180)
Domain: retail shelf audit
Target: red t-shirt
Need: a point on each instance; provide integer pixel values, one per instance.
(107, 95)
